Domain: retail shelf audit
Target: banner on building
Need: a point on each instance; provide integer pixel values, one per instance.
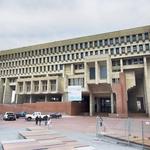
(74, 93)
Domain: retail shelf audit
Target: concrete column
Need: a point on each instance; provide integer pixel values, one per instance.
(48, 86)
(1, 91)
(72, 69)
(91, 105)
(85, 74)
(30, 99)
(16, 100)
(45, 98)
(121, 65)
(147, 85)
(40, 86)
(7, 93)
(97, 71)
(112, 103)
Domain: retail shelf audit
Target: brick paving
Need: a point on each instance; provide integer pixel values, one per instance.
(83, 130)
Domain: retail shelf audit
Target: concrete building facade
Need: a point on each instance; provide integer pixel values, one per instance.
(113, 70)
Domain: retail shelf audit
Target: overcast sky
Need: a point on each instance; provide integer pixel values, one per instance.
(29, 22)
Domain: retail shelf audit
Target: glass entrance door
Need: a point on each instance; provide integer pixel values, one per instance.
(105, 105)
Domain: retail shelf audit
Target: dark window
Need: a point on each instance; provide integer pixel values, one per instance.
(103, 72)
(117, 50)
(147, 46)
(134, 38)
(146, 36)
(122, 50)
(95, 44)
(129, 48)
(134, 48)
(91, 52)
(117, 40)
(91, 44)
(92, 73)
(128, 38)
(140, 47)
(111, 41)
(122, 39)
(100, 43)
(81, 45)
(85, 44)
(106, 42)
(112, 51)
(140, 37)
(81, 54)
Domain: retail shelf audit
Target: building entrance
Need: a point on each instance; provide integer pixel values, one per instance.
(103, 105)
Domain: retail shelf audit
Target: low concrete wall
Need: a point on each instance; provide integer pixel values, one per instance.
(70, 108)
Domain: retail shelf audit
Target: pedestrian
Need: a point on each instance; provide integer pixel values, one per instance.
(49, 123)
(36, 120)
(40, 119)
(46, 120)
(101, 121)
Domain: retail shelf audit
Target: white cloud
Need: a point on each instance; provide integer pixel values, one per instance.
(34, 21)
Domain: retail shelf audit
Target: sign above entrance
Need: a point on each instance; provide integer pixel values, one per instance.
(74, 93)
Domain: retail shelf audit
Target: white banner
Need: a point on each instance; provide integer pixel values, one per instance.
(74, 93)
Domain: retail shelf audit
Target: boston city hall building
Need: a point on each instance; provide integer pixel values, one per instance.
(113, 70)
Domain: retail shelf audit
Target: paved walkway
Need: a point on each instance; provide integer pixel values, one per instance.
(78, 130)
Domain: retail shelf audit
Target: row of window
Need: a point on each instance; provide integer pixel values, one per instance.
(76, 81)
(36, 86)
(85, 45)
(28, 70)
(73, 56)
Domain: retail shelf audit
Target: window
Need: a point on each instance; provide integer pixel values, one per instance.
(61, 67)
(129, 48)
(134, 38)
(86, 53)
(140, 37)
(146, 35)
(147, 47)
(91, 53)
(117, 40)
(100, 43)
(111, 41)
(141, 47)
(95, 44)
(91, 44)
(117, 50)
(20, 86)
(81, 45)
(106, 42)
(123, 50)
(134, 48)
(81, 54)
(53, 85)
(36, 86)
(103, 72)
(28, 86)
(92, 73)
(112, 51)
(122, 39)
(86, 44)
(76, 81)
(44, 86)
(128, 38)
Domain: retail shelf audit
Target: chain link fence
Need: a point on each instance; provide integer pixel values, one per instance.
(128, 130)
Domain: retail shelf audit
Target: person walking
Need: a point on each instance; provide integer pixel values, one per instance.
(36, 120)
(46, 120)
(49, 123)
(40, 120)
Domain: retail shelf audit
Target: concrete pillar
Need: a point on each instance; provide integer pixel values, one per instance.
(45, 98)
(30, 99)
(147, 85)
(40, 86)
(72, 69)
(112, 103)
(91, 104)
(16, 100)
(1, 91)
(97, 71)
(85, 74)
(121, 65)
(7, 93)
